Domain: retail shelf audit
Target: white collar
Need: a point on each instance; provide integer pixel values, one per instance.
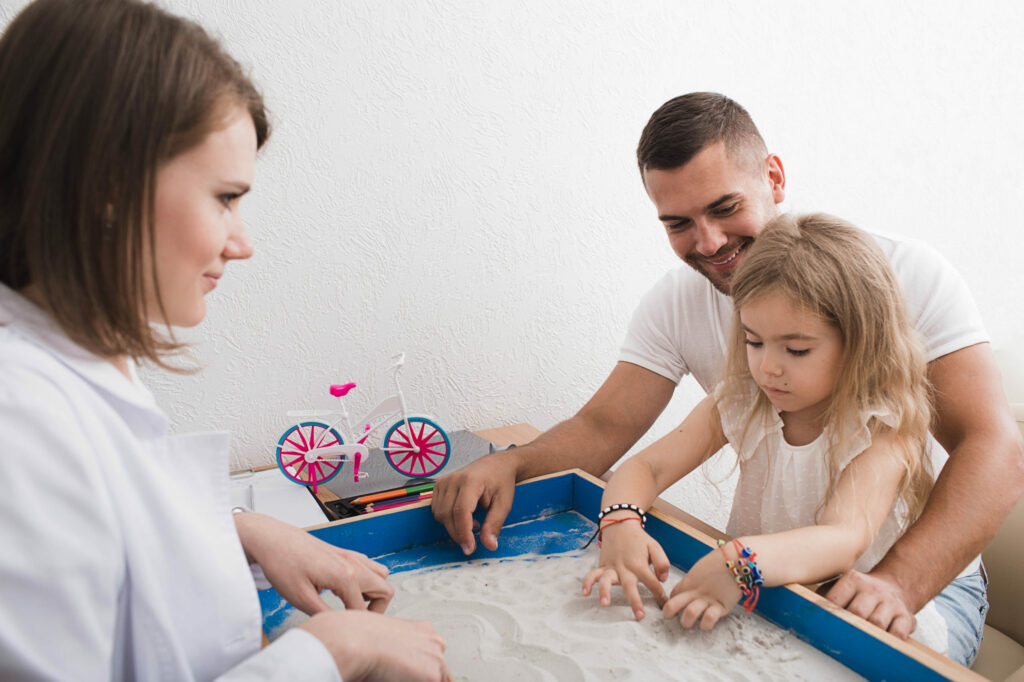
(32, 323)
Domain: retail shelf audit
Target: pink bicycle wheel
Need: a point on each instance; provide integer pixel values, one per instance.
(418, 448)
(292, 449)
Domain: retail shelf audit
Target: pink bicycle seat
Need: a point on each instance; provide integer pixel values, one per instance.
(338, 390)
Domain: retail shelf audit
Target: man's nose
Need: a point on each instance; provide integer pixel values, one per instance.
(709, 238)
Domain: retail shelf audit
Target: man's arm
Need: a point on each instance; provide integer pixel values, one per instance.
(974, 493)
(611, 422)
(618, 414)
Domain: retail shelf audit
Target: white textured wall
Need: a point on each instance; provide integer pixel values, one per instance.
(457, 180)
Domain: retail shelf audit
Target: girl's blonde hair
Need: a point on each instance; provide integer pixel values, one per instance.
(833, 270)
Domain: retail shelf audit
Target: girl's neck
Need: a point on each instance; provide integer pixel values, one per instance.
(801, 429)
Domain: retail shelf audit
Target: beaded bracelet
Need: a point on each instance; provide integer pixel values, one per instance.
(623, 507)
(746, 573)
(613, 508)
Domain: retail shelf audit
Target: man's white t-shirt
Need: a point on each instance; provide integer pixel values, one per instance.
(682, 324)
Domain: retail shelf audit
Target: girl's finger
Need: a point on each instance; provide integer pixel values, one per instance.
(712, 615)
(675, 604)
(604, 586)
(630, 589)
(692, 612)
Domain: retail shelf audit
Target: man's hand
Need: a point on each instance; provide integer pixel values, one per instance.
(489, 482)
(368, 647)
(299, 566)
(621, 411)
(876, 599)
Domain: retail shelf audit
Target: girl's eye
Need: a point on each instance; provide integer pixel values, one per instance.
(226, 199)
(798, 352)
(753, 344)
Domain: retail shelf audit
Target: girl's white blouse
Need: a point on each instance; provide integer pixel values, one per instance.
(119, 557)
(781, 486)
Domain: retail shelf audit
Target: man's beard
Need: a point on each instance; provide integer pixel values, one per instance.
(721, 282)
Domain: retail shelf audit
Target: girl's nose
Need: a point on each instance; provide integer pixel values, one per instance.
(770, 366)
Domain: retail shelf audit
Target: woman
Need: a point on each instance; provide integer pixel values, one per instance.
(127, 139)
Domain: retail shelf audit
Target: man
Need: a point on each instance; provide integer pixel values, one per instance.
(715, 186)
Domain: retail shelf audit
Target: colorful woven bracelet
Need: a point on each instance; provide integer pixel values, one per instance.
(745, 572)
(752, 576)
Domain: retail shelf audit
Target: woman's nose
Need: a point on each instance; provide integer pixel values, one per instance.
(238, 246)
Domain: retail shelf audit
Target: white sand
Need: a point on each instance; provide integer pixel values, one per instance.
(524, 619)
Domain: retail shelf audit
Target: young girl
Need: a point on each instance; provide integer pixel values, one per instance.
(825, 401)
(127, 138)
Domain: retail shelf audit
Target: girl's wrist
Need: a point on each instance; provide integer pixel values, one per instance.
(619, 509)
(741, 563)
(617, 514)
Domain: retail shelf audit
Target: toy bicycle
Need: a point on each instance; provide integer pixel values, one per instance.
(311, 452)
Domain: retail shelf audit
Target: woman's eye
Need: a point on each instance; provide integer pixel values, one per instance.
(753, 344)
(799, 352)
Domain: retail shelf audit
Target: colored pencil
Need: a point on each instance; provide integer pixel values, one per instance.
(399, 502)
(390, 494)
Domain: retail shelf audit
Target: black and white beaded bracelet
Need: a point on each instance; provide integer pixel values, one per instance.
(623, 507)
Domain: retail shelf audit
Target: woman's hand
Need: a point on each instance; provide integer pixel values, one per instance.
(368, 647)
(627, 556)
(299, 566)
(706, 593)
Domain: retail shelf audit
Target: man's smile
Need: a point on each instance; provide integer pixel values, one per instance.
(726, 262)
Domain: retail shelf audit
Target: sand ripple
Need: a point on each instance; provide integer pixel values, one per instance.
(524, 619)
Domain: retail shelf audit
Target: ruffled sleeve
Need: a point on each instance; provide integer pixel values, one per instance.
(744, 429)
(858, 434)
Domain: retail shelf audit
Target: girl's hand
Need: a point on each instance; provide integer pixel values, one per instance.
(299, 566)
(627, 555)
(706, 593)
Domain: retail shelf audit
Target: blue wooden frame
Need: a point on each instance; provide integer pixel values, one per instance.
(559, 512)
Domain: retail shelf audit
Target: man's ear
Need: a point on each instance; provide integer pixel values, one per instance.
(776, 177)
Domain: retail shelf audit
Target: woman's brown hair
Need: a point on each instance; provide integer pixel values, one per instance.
(96, 95)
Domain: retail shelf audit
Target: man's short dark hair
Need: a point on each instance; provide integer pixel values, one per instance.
(684, 125)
